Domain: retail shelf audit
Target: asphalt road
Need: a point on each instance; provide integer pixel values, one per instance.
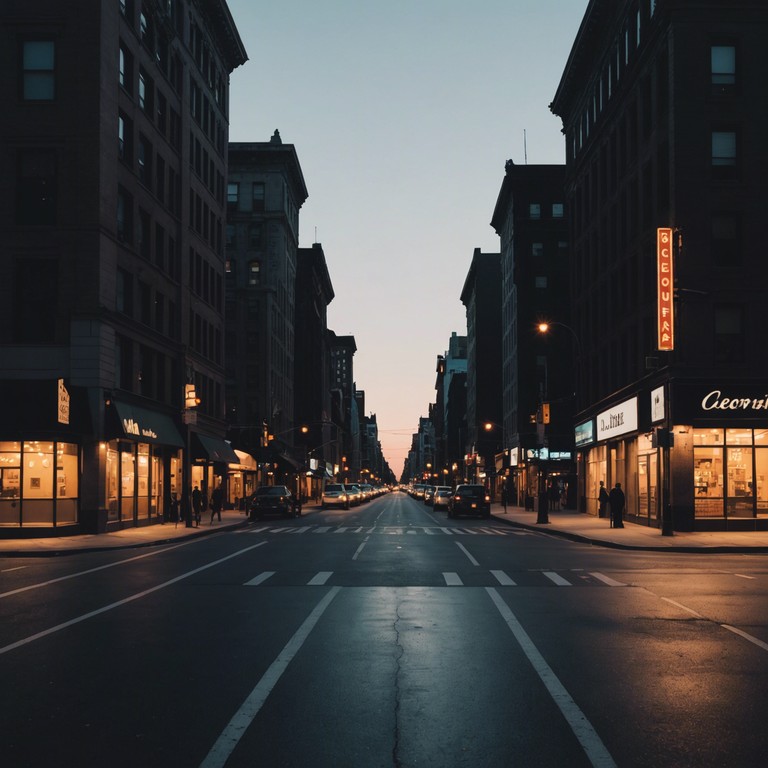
(386, 635)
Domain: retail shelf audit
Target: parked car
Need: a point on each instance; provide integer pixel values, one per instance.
(355, 494)
(335, 495)
(274, 500)
(429, 493)
(470, 500)
(442, 496)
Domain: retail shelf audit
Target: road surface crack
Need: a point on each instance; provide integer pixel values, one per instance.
(400, 650)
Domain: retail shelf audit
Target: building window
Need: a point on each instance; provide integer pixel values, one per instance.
(146, 94)
(124, 298)
(541, 281)
(125, 138)
(233, 193)
(723, 66)
(36, 187)
(557, 211)
(124, 216)
(258, 196)
(725, 240)
(254, 273)
(534, 211)
(126, 70)
(254, 236)
(537, 250)
(231, 239)
(145, 234)
(34, 298)
(38, 58)
(724, 152)
(145, 161)
(729, 334)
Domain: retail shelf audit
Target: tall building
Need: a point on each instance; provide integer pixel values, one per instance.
(530, 219)
(481, 295)
(265, 190)
(113, 165)
(665, 110)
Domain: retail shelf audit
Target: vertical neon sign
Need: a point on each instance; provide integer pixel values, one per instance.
(665, 315)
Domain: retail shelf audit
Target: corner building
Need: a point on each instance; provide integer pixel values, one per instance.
(665, 114)
(113, 167)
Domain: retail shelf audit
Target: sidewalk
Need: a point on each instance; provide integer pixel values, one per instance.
(594, 530)
(567, 524)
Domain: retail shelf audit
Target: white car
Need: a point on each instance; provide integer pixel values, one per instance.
(335, 495)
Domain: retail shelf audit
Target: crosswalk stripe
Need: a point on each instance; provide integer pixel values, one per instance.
(260, 579)
(607, 580)
(556, 578)
(503, 579)
(322, 529)
(319, 578)
(452, 579)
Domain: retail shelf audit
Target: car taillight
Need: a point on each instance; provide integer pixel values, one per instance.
(487, 497)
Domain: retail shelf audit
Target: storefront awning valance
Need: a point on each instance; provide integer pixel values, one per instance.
(146, 426)
(213, 449)
(244, 461)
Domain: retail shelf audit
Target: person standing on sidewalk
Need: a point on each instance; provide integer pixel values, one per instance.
(617, 501)
(216, 501)
(197, 504)
(602, 500)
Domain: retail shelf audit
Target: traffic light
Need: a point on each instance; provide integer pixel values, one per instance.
(545, 413)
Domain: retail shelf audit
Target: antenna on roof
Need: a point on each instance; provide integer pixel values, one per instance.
(525, 146)
(315, 234)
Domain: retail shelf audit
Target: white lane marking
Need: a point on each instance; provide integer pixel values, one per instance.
(323, 529)
(124, 601)
(503, 579)
(260, 579)
(746, 636)
(607, 579)
(319, 578)
(304, 529)
(341, 529)
(237, 726)
(447, 531)
(259, 530)
(596, 751)
(17, 568)
(452, 579)
(466, 552)
(360, 548)
(492, 531)
(153, 553)
(469, 531)
(556, 578)
(743, 576)
(685, 608)
(282, 530)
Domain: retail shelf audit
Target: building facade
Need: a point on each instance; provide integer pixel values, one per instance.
(112, 265)
(265, 190)
(537, 369)
(664, 110)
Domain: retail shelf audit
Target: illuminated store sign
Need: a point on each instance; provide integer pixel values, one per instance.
(63, 404)
(584, 434)
(618, 420)
(721, 402)
(665, 289)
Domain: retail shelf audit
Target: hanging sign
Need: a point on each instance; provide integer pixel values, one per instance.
(665, 277)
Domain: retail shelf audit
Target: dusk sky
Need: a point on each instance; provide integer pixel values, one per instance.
(403, 114)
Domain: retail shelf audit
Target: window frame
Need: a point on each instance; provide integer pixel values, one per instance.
(33, 77)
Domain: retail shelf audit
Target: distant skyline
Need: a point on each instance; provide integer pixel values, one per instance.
(403, 115)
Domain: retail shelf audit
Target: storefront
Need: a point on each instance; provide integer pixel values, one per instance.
(142, 464)
(42, 426)
(242, 479)
(211, 458)
(701, 446)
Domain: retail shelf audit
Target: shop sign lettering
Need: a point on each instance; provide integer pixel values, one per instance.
(665, 280)
(63, 404)
(131, 427)
(715, 401)
(617, 420)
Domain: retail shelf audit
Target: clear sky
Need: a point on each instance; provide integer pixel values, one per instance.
(403, 114)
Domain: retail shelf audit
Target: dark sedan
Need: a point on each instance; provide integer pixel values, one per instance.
(470, 500)
(272, 500)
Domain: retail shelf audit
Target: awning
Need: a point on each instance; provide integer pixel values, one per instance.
(244, 461)
(145, 426)
(213, 449)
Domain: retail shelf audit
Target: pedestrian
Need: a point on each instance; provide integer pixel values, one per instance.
(175, 508)
(504, 497)
(197, 504)
(554, 497)
(602, 500)
(617, 501)
(216, 501)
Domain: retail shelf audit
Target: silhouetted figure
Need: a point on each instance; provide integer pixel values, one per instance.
(602, 501)
(617, 501)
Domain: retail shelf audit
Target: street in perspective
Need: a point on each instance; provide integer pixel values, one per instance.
(387, 634)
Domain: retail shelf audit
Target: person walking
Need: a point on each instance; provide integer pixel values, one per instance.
(617, 500)
(216, 502)
(602, 500)
(504, 497)
(197, 504)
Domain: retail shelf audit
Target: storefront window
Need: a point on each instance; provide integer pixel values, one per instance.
(37, 487)
(143, 478)
(708, 437)
(10, 483)
(740, 485)
(708, 481)
(111, 489)
(127, 481)
(156, 475)
(67, 490)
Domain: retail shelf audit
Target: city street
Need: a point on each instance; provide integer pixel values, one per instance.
(383, 635)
